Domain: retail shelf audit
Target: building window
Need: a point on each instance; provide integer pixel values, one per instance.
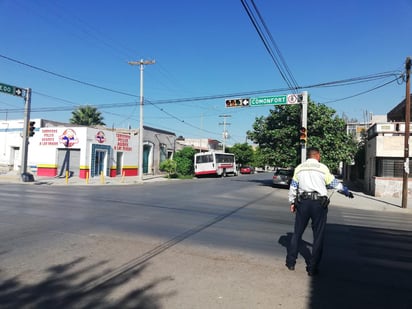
(391, 167)
(163, 152)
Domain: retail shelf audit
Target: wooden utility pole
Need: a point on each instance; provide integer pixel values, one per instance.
(407, 131)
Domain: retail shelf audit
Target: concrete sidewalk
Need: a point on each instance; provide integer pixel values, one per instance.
(14, 177)
(368, 202)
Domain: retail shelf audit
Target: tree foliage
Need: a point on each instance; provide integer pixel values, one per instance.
(244, 153)
(168, 166)
(87, 116)
(259, 158)
(184, 161)
(278, 135)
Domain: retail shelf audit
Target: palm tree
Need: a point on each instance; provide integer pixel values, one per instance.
(87, 115)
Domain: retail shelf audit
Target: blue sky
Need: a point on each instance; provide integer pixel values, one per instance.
(205, 51)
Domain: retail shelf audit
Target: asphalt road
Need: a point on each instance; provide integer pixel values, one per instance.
(202, 243)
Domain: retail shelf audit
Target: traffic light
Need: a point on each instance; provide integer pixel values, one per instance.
(244, 102)
(303, 136)
(31, 128)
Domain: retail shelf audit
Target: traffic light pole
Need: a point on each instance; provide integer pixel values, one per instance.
(304, 124)
(25, 135)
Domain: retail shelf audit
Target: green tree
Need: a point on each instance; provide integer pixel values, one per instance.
(278, 135)
(244, 153)
(259, 158)
(184, 161)
(168, 166)
(87, 116)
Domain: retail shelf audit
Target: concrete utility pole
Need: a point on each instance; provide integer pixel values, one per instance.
(141, 63)
(407, 131)
(304, 123)
(225, 134)
(25, 135)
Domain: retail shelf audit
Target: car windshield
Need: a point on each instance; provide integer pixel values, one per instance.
(285, 172)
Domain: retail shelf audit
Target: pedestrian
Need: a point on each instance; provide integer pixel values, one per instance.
(309, 200)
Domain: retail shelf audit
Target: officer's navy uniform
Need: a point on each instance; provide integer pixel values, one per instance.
(308, 192)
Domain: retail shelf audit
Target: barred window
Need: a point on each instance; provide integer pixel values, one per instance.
(391, 167)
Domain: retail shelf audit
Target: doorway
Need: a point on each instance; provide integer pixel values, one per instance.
(99, 162)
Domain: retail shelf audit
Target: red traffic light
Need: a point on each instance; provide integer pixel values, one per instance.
(243, 102)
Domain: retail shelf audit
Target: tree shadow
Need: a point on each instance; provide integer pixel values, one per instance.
(71, 285)
(262, 182)
(364, 268)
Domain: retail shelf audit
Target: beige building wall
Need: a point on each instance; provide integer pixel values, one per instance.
(385, 142)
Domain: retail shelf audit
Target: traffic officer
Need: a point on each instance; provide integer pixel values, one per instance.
(309, 200)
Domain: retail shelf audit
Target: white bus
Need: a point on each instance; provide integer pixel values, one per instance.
(215, 163)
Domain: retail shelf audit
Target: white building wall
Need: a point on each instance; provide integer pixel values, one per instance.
(50, 141)
(386, 140)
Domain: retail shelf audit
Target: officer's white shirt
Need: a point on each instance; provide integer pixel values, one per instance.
(312, 176)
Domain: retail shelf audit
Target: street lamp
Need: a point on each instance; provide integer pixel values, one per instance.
(141, 63)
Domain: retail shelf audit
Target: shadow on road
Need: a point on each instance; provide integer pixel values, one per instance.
(262, 182)
(74, 286)
(363, 268)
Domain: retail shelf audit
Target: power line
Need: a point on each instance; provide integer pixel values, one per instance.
(68, 78)
(344, 82)
(277, 57)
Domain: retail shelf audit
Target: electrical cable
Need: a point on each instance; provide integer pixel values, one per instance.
(192, 99)
(286, 76)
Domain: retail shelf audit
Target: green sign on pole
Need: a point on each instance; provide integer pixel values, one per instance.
(13, 90)
(280, 99)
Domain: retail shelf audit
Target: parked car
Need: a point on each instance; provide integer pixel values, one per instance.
(247, 169)
(282, 177)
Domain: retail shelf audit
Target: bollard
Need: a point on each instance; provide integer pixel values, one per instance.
(87, 178)
(123, 175)
(67, 177)
(101, 177)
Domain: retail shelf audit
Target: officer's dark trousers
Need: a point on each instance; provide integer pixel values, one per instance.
(308, 209)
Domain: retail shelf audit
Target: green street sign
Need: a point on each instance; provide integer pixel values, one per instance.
(276, 100)
(13, 90)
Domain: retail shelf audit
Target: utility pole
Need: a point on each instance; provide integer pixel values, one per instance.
(25, 135)
(225, 134)
(407, 131)
(304, 124)
(141, 63)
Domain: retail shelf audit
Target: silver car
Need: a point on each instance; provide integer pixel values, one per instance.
(282, 177)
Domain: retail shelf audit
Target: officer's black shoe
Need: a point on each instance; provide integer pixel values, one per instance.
(290, 267)
(312, 273)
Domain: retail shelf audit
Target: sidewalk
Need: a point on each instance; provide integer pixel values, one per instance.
(14, 177)
(368, 202)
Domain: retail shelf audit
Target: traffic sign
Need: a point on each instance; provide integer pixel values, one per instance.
(13, 90)
(276, 100)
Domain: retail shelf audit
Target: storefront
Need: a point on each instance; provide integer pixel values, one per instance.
(60, 150)
(57, 150)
